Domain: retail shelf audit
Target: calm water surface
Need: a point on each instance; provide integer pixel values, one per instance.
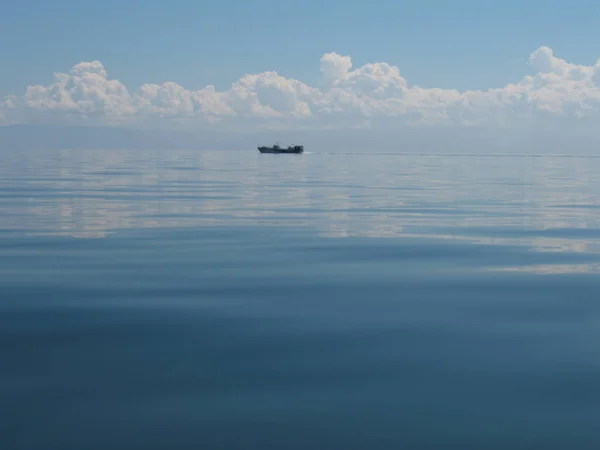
(232, 300)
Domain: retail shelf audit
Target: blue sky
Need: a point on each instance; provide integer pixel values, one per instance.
(459, 44)
(300, 65)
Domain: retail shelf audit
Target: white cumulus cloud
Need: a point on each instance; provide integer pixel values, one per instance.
(346, 96)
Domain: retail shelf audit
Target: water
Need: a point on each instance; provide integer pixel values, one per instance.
(231, 300)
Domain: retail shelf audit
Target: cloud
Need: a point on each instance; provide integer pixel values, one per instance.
(346, 97)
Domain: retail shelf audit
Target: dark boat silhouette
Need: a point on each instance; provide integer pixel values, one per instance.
(277, 149)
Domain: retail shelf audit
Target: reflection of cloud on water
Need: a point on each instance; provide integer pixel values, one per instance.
(553, 269)
(92, 193)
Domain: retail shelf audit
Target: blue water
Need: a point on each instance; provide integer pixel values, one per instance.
(232, 300)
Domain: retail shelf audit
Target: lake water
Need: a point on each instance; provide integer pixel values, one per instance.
(232, 300)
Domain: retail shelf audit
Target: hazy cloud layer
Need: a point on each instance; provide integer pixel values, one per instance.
(348, 97)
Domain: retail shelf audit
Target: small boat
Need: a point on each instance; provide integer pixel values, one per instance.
(277, 149)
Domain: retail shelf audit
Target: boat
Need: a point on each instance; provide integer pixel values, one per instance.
(277, 149)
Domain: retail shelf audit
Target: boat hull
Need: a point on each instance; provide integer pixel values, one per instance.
(294, 150)
(281, 150)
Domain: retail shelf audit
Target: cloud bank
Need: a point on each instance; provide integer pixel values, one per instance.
(346, 97)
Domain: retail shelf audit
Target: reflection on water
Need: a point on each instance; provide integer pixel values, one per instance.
(545, 203)
(232, 300)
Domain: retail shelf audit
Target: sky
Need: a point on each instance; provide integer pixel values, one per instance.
(292, 64)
